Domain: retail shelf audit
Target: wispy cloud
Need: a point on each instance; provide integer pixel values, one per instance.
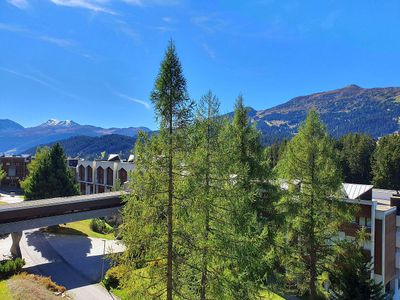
(49, 39)
(56, 41)
(21, 4)
(134, 2)
(152, 2)
(12, 28)
(167, 19)
(97, 6)
(162, 28)
(141, 102)
(46, 81)
(210, 52)
(210, 23)
(131, 33)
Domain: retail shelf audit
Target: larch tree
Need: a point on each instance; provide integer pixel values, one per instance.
(49, 175)
(152, 217)
(205, 190)
(386, 163)
(245, 211)
(312, 207)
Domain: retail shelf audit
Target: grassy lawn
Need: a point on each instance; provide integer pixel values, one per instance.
(4, 292)
(2, 203)
(121, 294)
(266, 295)
(81, 228)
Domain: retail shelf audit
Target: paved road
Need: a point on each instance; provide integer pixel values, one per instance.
(4, 197)
(72, 261)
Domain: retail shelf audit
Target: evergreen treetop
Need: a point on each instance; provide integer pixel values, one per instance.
(49, 175)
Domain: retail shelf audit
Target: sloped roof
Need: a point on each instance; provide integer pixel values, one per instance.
(113, 157)
(355, 191)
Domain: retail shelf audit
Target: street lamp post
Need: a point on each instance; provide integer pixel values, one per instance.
(102, 263)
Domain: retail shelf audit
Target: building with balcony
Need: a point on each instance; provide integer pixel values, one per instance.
(99, 176)
(379, 213)
(16, 169)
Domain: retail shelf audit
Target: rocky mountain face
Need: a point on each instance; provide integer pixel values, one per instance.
(374, 111)
(14, 138)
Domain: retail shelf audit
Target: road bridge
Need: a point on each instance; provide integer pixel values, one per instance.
(17, 217)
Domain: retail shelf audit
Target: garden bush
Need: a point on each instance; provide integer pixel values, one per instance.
(11, 267)
(100, 226)
(114, 276)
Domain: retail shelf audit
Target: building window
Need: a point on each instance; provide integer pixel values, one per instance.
(11, 172)
(368, 220)
(362, 221)
(100, 175)
(89, 172)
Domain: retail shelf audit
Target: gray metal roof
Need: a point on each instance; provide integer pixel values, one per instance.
(354, 191)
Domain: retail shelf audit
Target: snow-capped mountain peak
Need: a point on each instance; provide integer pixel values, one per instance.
(58, 123)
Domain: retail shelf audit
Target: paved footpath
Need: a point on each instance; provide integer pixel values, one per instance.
(73, 261)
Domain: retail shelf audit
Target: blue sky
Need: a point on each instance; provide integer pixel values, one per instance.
(94, 61)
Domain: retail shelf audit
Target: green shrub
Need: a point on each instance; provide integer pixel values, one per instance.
(11, 267)
(114, 276)
(100, 226)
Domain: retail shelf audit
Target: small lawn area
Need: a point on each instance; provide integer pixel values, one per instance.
(4, 291)
(80, 228)
(121, 294)
(266, 295)
(3, 203)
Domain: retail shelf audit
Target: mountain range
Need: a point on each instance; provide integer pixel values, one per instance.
(89, 147)
(14, 138)
(375, 111)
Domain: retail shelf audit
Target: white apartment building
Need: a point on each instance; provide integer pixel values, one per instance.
(99, 176)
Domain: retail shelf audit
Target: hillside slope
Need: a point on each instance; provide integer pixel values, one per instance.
(7, 125)
(91, 147)
(374, 111)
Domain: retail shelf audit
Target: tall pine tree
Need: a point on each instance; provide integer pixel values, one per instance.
(313, 209)
(152, 213)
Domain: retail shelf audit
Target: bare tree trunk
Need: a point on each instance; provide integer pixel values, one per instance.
(313, 277)
(204, 273)
(169, 215)
(313, 257)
